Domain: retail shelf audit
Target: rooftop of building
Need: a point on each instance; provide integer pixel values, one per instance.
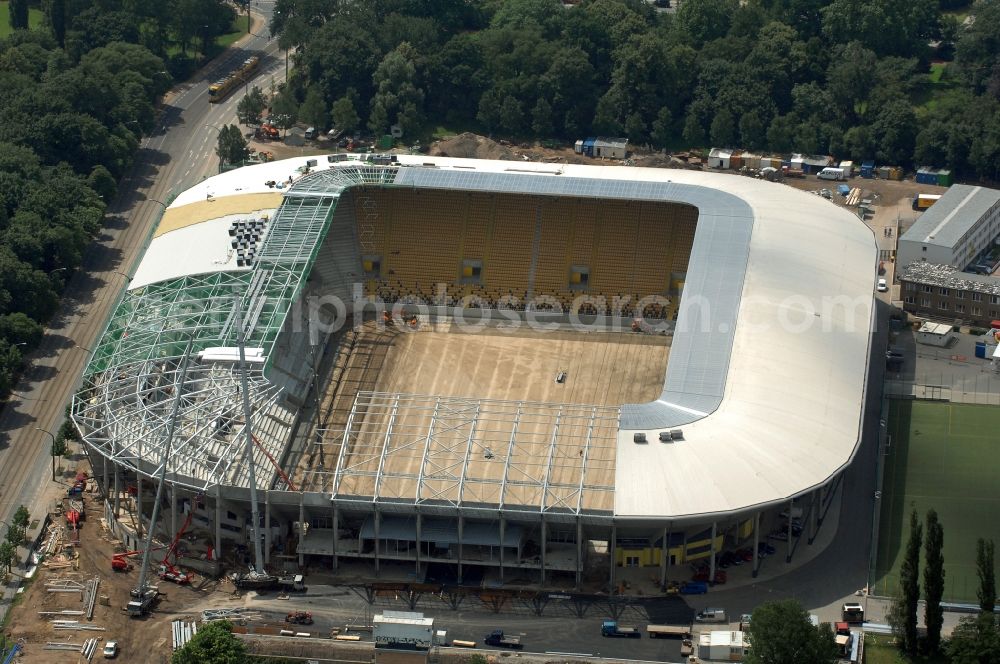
(946, 276)
(946, 222)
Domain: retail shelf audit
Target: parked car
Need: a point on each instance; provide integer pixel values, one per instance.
(882, 286)
(110, 650)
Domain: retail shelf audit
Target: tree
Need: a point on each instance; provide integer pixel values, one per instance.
(313, 109)
(975, 641)
(781, 633)
(232, 148)
(511, 115)
(987, 576)
(541, 118)
(398, 97)
(18, 526)
(723, 130)
(213, 644)
(103, 182)
(251, 107)
(56, 13)
(284, 110)
(344, 117)
(18, 10)
(933, 580)
(903, 613)
(8, 556)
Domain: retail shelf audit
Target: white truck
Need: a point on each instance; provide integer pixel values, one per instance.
(403, 630)
(831, 173)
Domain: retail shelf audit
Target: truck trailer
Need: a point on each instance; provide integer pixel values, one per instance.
(403, 630)
(668, 631)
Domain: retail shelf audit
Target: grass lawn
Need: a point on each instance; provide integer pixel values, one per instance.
(35, 18)
(880, 650)
(943, 456)
(938, 84)
(237, 29)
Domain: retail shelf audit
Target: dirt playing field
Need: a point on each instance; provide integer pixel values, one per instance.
(519, 410)
(601, 369)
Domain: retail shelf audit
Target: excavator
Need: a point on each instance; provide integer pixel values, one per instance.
(120, 563)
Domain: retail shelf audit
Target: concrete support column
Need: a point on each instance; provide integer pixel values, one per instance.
(420, 525)
(788, 556)
(118, 494)
(664, 558)
(218, 522)
(267, 527)
(138, 505)
(302, 528)
(545, 535)
(579, 553)
(461, 537)
(377, 523)
(173, 512)
(336, 534)
(711, 556)
(612, 545)
(756, 543)
(503, 529)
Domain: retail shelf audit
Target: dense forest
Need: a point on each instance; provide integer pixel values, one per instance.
(905, 82)
(78, 93)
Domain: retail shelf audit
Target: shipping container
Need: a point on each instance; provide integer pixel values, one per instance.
(926, 176)
(944, 178)
(868, 169)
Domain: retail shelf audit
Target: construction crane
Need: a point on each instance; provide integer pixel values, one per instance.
(256, 578)
(168, 572)
(143, 596)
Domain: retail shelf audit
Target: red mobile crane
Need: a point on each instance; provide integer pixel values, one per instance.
(167, 570)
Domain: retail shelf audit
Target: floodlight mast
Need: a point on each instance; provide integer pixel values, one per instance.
(140, 591)
(258, 562)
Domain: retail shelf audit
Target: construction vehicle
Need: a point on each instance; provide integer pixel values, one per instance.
(143, 596)
(167, 570)
(299, 618)
(497, 639)
(266, 132)
(613, 629)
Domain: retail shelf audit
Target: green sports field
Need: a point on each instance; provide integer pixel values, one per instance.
(947, 457)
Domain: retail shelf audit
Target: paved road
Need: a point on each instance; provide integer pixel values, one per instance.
(178, 154)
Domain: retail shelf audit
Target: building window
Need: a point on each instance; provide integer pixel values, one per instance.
(960, 295)
(943, 305)
(943, 292)
(925, 302)
(927, 289)
(977, 311)
(977, 297)
(909, 285)
(909, 299)
(994, 299)
(959, 308)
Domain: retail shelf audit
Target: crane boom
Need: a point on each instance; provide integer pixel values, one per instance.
(282, 474)
(258, 563)
(141, 592)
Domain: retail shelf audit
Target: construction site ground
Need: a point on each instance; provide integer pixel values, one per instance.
(473, 146)
(141, 640)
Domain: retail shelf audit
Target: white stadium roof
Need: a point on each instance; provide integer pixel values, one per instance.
(769, 361)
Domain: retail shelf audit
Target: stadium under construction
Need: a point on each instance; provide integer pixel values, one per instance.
(455, 370)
